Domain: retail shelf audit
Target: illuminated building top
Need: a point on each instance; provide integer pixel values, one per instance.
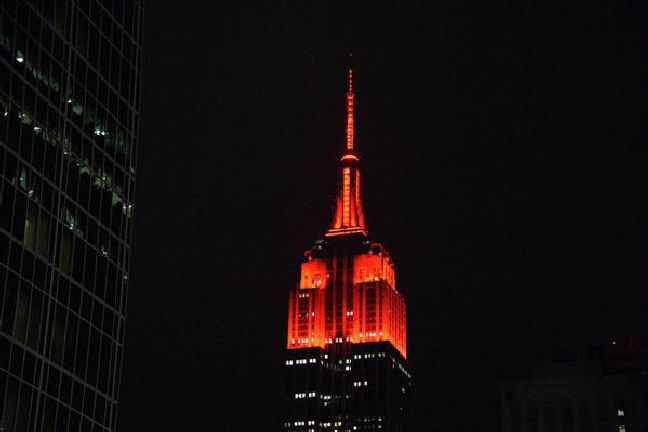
(347, 289)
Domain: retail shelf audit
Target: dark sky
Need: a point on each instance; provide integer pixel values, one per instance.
(504, 151)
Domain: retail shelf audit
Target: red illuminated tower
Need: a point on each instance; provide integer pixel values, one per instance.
(347, 346)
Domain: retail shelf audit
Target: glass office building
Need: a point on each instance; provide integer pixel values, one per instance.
(70, 78)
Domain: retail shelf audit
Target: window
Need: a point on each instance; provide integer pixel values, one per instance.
(22, 314)
(65, 251)
(36, 234)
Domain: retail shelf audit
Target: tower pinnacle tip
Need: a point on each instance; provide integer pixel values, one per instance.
(348, 217)
(350, 119)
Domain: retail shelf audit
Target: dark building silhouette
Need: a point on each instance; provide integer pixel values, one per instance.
(70, 77)
(346, 367)
(600, 389)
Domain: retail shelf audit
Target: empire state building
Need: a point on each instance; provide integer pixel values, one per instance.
(346, 344)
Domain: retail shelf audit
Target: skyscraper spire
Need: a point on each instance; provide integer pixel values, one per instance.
(348, 217)
(350, 97)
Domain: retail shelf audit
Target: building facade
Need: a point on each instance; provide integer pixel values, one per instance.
(603, 389)
(346, 343)
(70, 77)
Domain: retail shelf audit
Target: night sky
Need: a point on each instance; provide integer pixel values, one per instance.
(504, 154)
